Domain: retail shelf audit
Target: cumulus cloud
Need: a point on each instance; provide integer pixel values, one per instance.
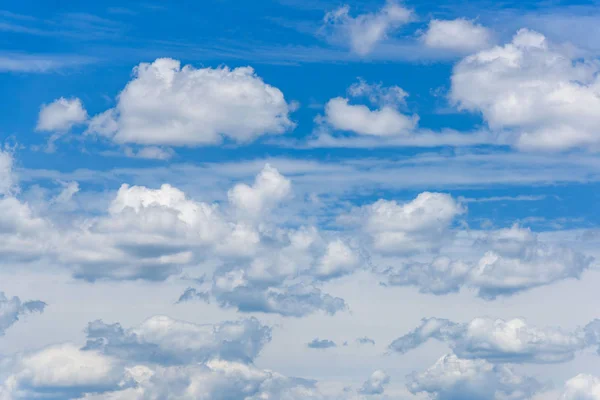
(375, 384)
(582, 387)
(458, 35)
(452, 378)
(402, 228)
(363, 32)
(321, 344)
(534, 92)
(61, 115)
(167, 104)
(160, 359)
(497, 340)
(11, 309)
(514, 260)
(386, 120)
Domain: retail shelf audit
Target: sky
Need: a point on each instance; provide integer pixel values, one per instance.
(299, 200)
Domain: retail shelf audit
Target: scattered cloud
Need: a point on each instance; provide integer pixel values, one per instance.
(458, 35)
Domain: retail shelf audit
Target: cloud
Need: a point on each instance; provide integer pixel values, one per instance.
(12, 309)
(365, 340)
(166, 104)
(402, 228)
(501, 341)
(270, 188)
(533, 92)
(61, 115)
(191, 294)
(375, 384)
(40, 63)
(321, 344)
(582, 387)
(452, 378)
(160, 359)
(7, 178)
(385, 121)
(165, 341)
(514, 260)
(458, 35)
(363, 32)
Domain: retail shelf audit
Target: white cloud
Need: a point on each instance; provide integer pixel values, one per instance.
(514, 260)
(269, 188)
(458, 35)
(452, 378)
(417, 226)
(166, 104)
(376, 383)
(541, 97)
(385, 121)
(363, 32)
(582, 387)
(6, 173)
(61, 115)
(497, 340)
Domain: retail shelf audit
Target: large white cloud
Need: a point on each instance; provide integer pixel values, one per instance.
(363, 32)
(452, 378)
(457, 35)
(61, 115)
(166, 104)
(536, 92)
(497, 340)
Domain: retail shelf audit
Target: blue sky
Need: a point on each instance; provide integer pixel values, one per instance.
(288, 199)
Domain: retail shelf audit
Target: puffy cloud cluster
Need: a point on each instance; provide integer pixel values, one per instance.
(538, 93)
(363, 32)
(259, 262)
(386, 120)
(11, 309)
(515, 260)
(452, 378)
(166, 104)
(160, 359)
(457, 35)
(497, 340)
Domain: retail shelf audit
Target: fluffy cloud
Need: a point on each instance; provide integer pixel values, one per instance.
(452, 378)
(363, 32)
(515, 260)
(385, 121)
(160, 359)
(376, 383)
(166, 104)
(403, 228)
(13, 308)
(582, 387)
(61, 115)
(458, 35)
(535, 92)
(497, 340)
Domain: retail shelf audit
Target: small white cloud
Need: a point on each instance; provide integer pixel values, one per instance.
(385, 121)
(61, 115)
(458, 35)
(363, 32)
(375, 384)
